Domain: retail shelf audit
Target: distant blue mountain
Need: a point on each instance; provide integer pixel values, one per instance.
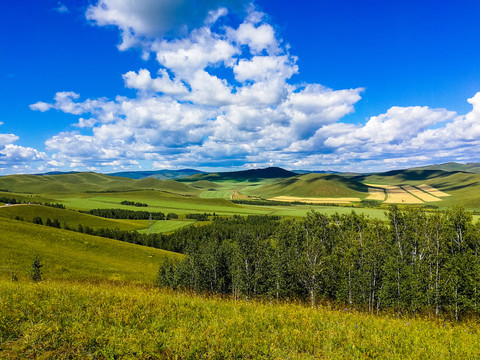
(242, 175)
(301, 172)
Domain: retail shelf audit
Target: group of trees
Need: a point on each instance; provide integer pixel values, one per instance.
(38, 220)
(199, 217)
(133, 203)
(126, 214)
(418, 262)
(13, 201)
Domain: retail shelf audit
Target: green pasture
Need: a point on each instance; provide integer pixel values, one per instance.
(311, 185)
(223, 189)
(165, 203)
(74, 256)
(302, 210)
(64, 320)
(164, 226)
(71, 218)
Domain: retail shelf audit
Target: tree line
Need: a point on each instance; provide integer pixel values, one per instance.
(133, 203)
(418, 262)
(14, 201)
(126, 214)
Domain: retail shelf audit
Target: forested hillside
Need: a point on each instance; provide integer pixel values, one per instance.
(419, 262)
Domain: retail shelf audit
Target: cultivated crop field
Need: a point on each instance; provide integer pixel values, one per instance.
(312, 200)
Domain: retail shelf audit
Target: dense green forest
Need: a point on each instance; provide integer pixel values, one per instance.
(419, 262)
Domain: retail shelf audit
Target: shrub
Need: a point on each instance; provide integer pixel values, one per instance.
(36, 274)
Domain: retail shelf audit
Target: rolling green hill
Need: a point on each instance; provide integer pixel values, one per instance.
(403, 177)
(71, 218)
(452, 166)
(246, 175)
(70, 255)
(86, 182)
(312, 185)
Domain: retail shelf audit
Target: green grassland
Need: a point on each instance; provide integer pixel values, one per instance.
(70, 255)
(71, 218)
(303, 210)
(97, 299)
(165, 226)
(107, 321)
(87, 182)
(211, 192)
(158, 201)
(312, 185)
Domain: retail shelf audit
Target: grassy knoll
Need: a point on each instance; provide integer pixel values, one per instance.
(164, 226)
(81, 320)
(71, 218)
(224, 188)
(70, 255)
(312, 185)
(85, 182)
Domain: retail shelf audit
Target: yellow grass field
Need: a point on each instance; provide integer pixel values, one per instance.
(432, 190)
(315, 200)
(396, 195)
(427, 197)
(405, 194)
(376, 194)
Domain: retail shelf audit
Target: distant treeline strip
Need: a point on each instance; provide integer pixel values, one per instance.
(133, 203)
(14, 201)
(266, 202)
(126, 214)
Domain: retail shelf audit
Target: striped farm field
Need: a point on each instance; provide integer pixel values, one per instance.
(405, 194)
(315, 200)
(376, 194)
(432, 190)
(422, 195)
(396, 195)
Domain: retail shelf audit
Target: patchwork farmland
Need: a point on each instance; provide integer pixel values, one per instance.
(405, 194)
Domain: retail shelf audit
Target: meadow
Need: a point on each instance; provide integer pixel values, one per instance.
(98, 298)
(55, 319)
(68, 255)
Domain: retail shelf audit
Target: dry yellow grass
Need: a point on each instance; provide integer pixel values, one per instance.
(432, 190)
(420, 194)
(396, 195)
(315, 200)
(237, 195)
(376, 194)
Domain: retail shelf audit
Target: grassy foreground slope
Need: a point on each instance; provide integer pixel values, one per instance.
(70, 255)
(78, 312)
(107, 321)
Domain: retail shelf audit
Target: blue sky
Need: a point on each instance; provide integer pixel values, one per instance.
(117, 85)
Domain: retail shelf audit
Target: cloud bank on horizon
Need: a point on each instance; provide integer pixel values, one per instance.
(220, 95)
